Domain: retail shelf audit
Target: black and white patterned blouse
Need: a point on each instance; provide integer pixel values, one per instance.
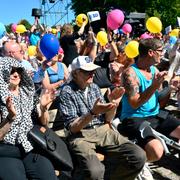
(23, 104)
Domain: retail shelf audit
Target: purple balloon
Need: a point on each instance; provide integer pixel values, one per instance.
(49, 46)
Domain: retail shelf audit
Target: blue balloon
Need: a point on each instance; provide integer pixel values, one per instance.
(172, 40)
(49, 46)
(2, 30)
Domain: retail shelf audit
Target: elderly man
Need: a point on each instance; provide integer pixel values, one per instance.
(13, 49)
(86, 117)
(141, 100)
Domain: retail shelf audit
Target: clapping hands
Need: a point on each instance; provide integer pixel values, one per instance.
(116, 94)
(46, 97)
(114, 98)
(10, 107)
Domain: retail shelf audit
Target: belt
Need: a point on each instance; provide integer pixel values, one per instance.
(93, 126)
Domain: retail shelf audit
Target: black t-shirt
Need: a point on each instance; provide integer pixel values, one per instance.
(101, 76)
(69, 47)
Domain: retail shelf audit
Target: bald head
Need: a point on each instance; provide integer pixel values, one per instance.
(10, 46)
(13, 49)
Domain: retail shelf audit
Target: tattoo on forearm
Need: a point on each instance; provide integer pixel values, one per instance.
(130, 83)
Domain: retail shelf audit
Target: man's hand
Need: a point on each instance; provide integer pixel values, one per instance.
(116, 95)
(101, 108)
(175, 83)
(158, 79)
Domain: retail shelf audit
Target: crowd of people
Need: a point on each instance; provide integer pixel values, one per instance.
(90, 85)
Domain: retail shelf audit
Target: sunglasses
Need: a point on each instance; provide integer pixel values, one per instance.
(87, 73)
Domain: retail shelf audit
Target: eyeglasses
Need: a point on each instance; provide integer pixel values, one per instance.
(19, 51)
(159, 50)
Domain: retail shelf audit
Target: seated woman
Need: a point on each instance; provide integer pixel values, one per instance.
(20, 158)
(119, 64)
(117, 67)
(55, 75)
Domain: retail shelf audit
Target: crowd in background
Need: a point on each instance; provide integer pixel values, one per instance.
(55, 73)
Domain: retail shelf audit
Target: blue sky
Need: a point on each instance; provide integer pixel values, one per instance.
(11, 11)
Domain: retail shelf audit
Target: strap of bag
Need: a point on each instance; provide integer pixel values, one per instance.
(51, 144)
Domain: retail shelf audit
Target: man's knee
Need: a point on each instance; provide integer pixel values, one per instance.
(137, 156)
(96, 168)
(154, 150)
(97, 172)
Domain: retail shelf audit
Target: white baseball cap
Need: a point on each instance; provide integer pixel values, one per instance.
(84, 63)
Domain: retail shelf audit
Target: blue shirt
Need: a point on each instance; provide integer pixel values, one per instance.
(56, 76)
(149, 108)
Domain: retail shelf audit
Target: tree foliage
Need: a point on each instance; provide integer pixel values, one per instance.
(23, 21)
(166, 10)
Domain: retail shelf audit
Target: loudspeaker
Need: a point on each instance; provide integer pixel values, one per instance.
(36, 12)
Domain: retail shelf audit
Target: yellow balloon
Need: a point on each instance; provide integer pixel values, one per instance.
(154, 25)
(174, 32)
(32, 50)
(21, 28)
(80, 18)
(54, 31)
(102, 38)
(131, 49)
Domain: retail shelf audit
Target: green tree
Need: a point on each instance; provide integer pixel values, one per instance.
(166, 10)
(25, 23)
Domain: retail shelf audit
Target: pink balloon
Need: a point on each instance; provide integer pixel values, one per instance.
(145, 36)
(115, 19)
(13, 27)
(127, 28)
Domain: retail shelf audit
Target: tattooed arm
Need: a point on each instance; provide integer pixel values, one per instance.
(131, 85)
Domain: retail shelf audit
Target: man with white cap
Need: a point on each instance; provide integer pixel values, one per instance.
(86, 117)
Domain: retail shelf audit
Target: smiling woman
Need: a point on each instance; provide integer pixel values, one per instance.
(18, 114)
(15, 79)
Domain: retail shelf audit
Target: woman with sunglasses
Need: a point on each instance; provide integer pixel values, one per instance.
(20, 158)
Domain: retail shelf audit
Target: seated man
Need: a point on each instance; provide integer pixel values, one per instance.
(141, 102)
(86, 116)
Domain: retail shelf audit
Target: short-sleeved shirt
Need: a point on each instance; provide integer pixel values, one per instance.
(56, 76)
(74, 104)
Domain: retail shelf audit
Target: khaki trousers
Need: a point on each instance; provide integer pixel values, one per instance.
(123, 159)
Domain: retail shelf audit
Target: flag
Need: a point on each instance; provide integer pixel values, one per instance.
(93, 16)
